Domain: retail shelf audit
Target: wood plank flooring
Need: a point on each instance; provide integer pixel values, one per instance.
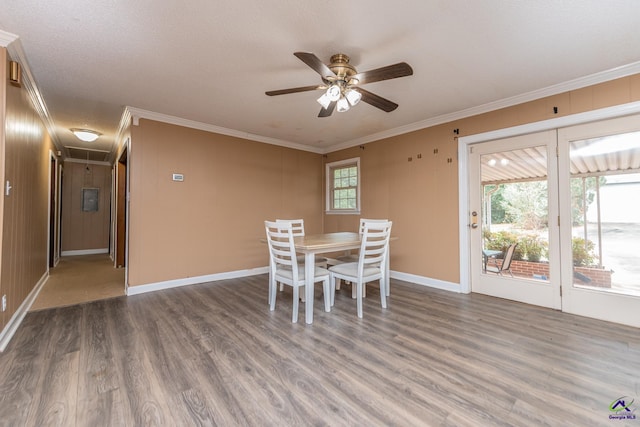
(213, 354)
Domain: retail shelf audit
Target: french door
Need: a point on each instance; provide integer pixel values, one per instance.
(514, 201)
(600, 197)
(570, 201)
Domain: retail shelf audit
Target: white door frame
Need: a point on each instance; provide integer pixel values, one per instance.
(463, 162)
(545, 293)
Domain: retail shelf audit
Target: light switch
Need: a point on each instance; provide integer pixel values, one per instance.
(178, 177)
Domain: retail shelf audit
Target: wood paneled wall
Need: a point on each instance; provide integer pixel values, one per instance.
(85, 231)
(25, 226)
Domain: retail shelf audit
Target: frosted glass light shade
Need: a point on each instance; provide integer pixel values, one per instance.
(86, 135)
(353, 96)
(324, 101)
(343, 105)
(334, 92)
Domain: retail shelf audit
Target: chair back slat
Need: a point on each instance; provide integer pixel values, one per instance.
(375, 244)
(365, 220)
(297, 225)
(281, 246)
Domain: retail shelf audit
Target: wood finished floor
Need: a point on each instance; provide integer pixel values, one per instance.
(214, 354)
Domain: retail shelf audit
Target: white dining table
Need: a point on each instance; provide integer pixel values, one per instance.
(313, 244)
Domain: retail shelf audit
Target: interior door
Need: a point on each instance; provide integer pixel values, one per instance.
(513, 199)
(600, 204)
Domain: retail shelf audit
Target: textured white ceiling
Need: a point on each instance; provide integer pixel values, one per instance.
(211, 62)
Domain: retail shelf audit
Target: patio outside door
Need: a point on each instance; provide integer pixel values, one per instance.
(600, 195)
(514, 200)
(570, 199)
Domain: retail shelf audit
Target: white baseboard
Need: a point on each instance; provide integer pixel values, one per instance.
(85, 252)
(152, 287)
(18, 316)
(426, 281)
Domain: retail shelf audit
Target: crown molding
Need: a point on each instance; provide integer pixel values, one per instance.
(125, 122)
(593, 79)
(16, 52)
(138, 113)
(7, 38)
(590, 80)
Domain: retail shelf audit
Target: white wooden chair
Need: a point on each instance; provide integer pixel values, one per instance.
(374, 251)
(284, 267)
(355, 257)
(298, 230)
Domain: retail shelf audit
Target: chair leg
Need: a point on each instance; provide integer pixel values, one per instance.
(294, 316)
(272, 295)
(383, 293)
(326, 290)
(354, 294)
(359, 298)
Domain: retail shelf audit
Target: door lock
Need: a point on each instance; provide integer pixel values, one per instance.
(474, 219)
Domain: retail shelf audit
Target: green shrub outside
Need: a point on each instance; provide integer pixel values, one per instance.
(532, 248)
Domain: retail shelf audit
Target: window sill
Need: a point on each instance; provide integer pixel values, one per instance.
(342, 212)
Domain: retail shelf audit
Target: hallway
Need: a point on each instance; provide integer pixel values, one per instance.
(79, 279)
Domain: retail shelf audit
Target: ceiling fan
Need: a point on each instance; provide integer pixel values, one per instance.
(341, 83)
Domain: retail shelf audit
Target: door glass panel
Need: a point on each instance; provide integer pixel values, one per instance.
(605, 207)
(515, 210)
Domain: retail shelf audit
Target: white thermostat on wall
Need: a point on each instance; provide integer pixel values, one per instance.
(178, 177)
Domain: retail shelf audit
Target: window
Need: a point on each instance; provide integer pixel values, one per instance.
(343, 186)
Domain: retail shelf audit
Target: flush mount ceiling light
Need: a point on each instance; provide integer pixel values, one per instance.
(85, 135)
(341, 83)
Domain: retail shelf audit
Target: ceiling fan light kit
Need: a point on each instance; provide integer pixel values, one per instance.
(343, 105)
(341, 83)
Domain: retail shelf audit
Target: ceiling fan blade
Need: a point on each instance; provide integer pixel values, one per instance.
(326, 112)
(377, 101)
(294, 90)
(312, 61)
(394, 71)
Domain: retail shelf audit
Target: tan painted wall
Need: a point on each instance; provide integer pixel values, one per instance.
(85, 230)
(212, 222)
(421, 196)
(25, 214)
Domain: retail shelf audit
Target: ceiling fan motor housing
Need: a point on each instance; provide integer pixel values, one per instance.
(341, 67)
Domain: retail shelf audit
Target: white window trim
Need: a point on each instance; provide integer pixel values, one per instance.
(328, 187)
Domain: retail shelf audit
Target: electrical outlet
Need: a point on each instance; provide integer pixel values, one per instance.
(4, 303)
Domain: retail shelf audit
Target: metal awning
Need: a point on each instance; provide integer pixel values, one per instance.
(589, 157)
